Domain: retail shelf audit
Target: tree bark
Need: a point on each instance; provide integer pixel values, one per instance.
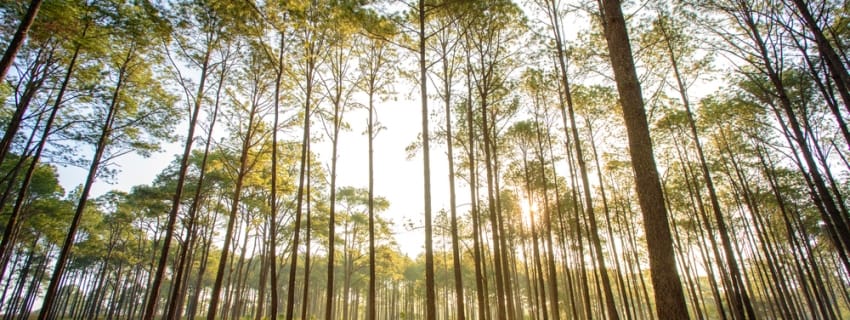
(669, 296)
(18, 39)
(430, 294)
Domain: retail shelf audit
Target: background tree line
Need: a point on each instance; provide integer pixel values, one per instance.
(639, 160)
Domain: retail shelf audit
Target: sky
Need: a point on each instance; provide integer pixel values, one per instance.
(397, 178)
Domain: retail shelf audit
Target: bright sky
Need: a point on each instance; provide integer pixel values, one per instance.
(396, 178)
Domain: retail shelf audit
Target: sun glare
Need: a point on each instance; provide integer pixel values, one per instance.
(527, 207)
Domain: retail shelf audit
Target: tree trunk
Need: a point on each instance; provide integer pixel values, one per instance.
(669, 297)
(234, 208)
(370, 300)
(196, 199)
(290, 295)
(106, 131)
(447, 94)
(18, 40)
(473, 196)
(12, 223)
(305, 302)
(430, 294)
(273, 221)
(153, 297)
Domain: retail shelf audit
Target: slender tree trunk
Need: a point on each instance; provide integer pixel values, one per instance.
(290, 295)
(274, 209)
(153, 298)
(473, 196)
(100, 148)
(681, 256)
(196, 199)
(346, 278)
(19, 286)
(578, 235)
(669, 297)
(234, 208)
(18, 40)
(491, 207)
(589, 211)
(506, 258)
(836, 67)
(370, 301)
(431, 303)
(305, 302)
(257, 307)
(538, 267)
(607, 212)
(12, 223)
(329, 305)
(703, 227)
(452, 197)
(569, 280)
(194, 302)
(32, 293)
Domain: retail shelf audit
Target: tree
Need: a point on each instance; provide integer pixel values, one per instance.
(447, 48)
(18, 40)
(12, 223)
(312, 44)
(248, 139)
(137, 103)
(374, 66)
(208, 27)
(430, 301)
(670, 300)
(339, 88)
(741, 300)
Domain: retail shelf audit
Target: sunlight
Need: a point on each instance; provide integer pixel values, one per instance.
(527, 208)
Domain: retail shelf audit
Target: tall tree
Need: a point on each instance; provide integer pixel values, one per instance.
(137, 102)
(430, 293)
(448, 41)
(273, 202)
(248, 139)
(669, 297)
(18, 39)
(339, 86)
(741, 300)
(209, 27)
(374, 65)
(312, 43)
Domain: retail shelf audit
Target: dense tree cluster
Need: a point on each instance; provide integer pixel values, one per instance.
(636, 160)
